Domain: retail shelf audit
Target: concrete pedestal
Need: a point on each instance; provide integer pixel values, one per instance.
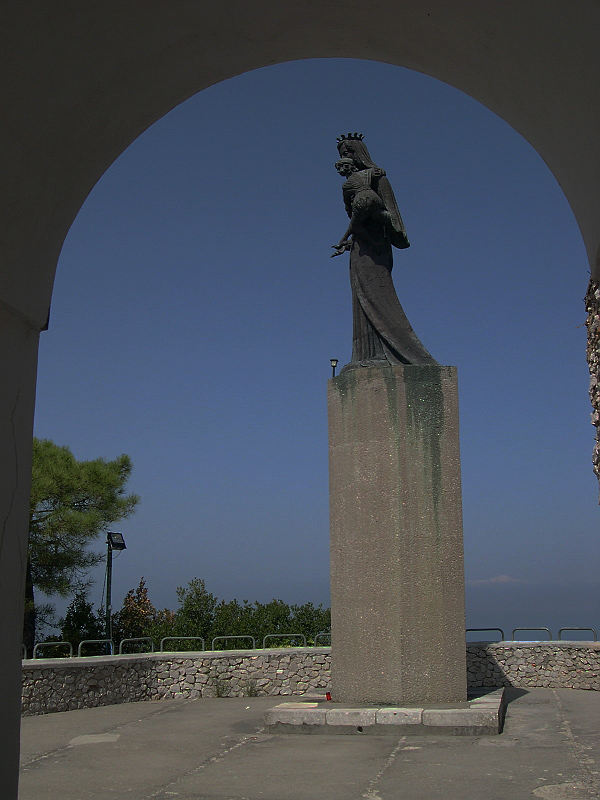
(397, 579)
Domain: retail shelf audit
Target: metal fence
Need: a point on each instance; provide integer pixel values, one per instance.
(152, 648)
(109, 646)
(108, 642)
(578, 629)
(137, 639)
(483, 630)
(179, 639)
(52, 644)
(216, 639)
(285, 636)
(550, 638)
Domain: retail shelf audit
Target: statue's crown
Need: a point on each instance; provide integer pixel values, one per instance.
(355, 136)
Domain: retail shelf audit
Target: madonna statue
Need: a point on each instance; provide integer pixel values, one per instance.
(381, 331)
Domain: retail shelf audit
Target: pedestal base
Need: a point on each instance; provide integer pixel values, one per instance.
(483, 715)
(397, 580)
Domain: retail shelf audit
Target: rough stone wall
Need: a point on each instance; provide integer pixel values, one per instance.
(66, 684)
(592, 306)
(556, 665)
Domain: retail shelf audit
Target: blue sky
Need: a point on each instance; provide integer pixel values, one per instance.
(196, 309)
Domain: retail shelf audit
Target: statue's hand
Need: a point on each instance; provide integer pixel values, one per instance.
(341, 248)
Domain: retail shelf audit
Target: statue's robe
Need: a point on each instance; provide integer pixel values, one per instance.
(381, 330)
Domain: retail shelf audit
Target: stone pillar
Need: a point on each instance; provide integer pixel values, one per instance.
(397, 579)
(18, 366)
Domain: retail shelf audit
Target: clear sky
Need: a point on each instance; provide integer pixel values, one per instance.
(196, 308)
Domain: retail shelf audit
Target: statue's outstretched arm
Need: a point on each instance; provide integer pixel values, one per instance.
(344, 244)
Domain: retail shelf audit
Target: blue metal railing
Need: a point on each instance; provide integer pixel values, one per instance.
(178, 639)
(285, 636)
(109, 642)
(137, 639)
(320, 635)
(548, 631)
(482, 630)
(212, 647)
(577, 629)
(51, 644)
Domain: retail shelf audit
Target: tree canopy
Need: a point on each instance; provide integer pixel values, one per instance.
(199, 614)
(72, 502)
(202, 614)
(80, 621)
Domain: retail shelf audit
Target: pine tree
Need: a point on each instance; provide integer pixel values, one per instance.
(72, 502)
(81, 621)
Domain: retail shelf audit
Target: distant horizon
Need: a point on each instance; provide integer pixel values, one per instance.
(505, 597)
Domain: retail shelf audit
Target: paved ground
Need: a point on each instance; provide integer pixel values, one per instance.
(216, 749)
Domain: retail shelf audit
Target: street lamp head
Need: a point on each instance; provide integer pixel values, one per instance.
(333, 362)
(115, 541)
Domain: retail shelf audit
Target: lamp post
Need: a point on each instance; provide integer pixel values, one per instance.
(114, 541)
(334, 363)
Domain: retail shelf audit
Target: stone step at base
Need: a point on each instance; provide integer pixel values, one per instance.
(480, 716)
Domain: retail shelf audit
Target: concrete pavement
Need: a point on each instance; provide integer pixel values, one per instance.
(217, 749)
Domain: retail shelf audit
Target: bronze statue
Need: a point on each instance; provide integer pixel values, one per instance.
(381, 331)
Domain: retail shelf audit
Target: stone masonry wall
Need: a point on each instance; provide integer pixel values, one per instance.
(592, 306)
(559, 665)
(66, 684)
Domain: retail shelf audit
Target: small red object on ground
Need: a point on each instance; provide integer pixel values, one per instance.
(328, 695)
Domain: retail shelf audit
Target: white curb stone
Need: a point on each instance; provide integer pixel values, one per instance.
(467, 717)
(351, 716)
(399, 716)
(299, 714)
